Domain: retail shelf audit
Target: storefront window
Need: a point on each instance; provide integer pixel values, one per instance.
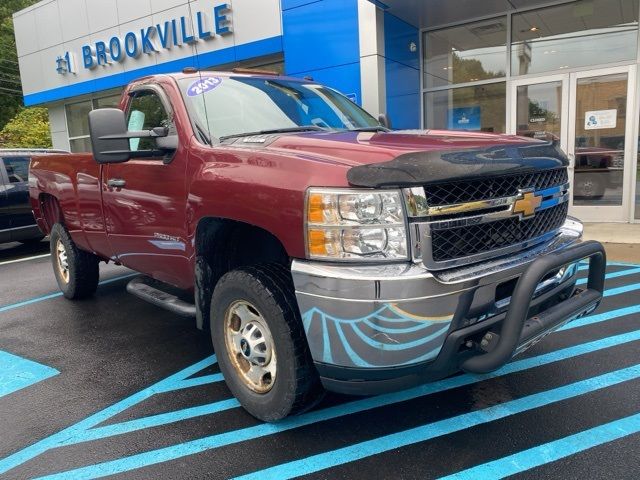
(112, 101)
(78, 120)
(477, 108)
(466, 53)
(77, 114)
(576, 34)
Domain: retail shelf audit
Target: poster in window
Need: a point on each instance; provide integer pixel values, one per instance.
(600, 119)
(465, 118)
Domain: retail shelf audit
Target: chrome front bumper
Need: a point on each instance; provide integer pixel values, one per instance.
(399, 315)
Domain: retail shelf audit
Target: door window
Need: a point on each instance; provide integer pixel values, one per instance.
(601, 110)
(17, 169)
(539, 111)
(146, 111)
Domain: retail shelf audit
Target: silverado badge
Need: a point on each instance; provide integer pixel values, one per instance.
(526, 206)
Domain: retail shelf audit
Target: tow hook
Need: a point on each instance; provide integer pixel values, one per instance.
(489, 341)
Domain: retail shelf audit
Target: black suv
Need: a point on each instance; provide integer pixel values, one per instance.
(16, 219)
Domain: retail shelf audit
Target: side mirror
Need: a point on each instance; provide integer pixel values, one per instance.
(384, 121)
(110, 138)
(108, 131)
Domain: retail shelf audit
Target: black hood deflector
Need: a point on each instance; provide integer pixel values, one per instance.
(424, 168)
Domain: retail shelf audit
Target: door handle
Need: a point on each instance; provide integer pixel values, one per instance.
(116, 183)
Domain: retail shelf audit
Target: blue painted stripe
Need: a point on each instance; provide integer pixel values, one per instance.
(153, 421)
(552, 451)
(79, 428)
(194, 382)
(251, 433)
(601, 317)
(258, 48)
(49, 296)
(433, 430)
(612, 275)
(17, 373)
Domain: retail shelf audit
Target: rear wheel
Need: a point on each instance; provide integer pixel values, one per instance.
(260, 343)
(77, 272)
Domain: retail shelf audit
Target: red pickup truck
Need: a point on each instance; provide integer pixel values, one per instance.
(322, 249)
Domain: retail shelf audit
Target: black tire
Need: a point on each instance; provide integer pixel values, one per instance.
(269, 288)
(82, 274)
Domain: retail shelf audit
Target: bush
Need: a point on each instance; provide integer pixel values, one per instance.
(28, 129)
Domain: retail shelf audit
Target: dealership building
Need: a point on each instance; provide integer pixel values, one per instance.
(565, 71)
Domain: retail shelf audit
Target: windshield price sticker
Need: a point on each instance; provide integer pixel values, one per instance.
(203, 86)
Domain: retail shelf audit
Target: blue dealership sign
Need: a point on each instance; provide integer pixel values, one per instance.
(465, 118)
(164, 35)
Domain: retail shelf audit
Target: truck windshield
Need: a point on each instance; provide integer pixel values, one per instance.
(233, 106)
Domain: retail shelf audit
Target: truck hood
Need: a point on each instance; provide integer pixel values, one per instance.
(419, 157)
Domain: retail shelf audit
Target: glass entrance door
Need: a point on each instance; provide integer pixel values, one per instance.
(541, 108)
(600, 145)
(589, 115)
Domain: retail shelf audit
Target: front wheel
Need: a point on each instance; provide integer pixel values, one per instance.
(260, 343)
(77, 272)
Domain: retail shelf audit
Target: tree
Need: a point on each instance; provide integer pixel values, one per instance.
(10, 86)
(28, 129)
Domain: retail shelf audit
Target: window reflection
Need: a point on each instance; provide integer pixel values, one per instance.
(478, 108)
(573, 35)
(467, 53)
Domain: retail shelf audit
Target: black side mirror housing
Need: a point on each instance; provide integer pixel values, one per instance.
(384, 121)
(110, 138)
(104, 124)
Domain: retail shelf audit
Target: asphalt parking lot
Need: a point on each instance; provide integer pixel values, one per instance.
(113, 386)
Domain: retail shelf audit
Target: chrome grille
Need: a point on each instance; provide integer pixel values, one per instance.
(493, 187)
(449, 244)
(476, 220)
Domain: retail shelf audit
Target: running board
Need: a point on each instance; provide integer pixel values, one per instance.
(141, 289)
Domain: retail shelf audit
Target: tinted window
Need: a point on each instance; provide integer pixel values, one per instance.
(17, 169)
(146, 111)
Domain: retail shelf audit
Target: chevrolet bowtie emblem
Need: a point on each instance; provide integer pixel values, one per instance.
(527, 205)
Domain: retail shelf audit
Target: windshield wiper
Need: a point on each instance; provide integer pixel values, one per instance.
(368, 129)
(305, 128)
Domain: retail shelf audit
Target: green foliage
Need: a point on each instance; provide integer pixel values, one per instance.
(28, 129)
(10, 87)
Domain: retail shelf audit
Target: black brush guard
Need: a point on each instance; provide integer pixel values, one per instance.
(517, 330)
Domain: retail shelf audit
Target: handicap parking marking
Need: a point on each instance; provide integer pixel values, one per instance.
(551, 451)
(90, 429)
(215, 441)
(430, 431)
(17, 373)
(83, 430)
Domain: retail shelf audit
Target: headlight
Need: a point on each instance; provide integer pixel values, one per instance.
(345, 224)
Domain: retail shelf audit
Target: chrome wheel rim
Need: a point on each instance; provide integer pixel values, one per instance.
(250, 346)
(62, 261)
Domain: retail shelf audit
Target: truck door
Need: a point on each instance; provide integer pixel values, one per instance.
(16, 189)
(145, 199)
